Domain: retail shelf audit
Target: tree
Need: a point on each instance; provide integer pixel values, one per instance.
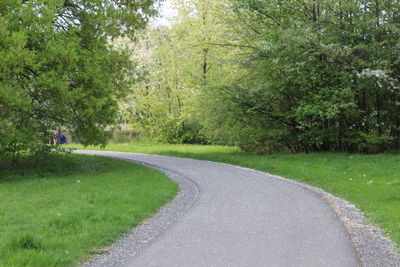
(324, 75)
(58, 68)
(180, 66)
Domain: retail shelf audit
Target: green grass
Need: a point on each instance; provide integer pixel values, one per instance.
(372, 182)
(59, 214)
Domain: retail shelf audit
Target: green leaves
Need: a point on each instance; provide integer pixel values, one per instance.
(274, 75)
(318, 70)
(58, 68)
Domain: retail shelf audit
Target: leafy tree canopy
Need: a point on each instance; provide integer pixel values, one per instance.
(326, 75)
(311, 75)
(58, 68)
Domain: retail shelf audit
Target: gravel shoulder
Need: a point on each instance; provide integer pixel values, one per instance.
(225, 215)
(141, 236)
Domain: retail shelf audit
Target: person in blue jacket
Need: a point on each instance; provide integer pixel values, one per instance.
(61, 139)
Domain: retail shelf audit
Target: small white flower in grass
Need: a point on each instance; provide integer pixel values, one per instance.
(78, 181)
(351, 179)
(364, 175)
(370, 182)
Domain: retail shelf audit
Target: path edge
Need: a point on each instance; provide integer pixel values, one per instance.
(372, 247)
(141, 236)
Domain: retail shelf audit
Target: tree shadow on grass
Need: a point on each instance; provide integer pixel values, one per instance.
(59, 165)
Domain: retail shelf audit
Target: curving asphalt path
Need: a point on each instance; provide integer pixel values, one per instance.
(243, 218)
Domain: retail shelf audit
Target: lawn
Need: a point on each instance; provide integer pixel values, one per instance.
(372, 182)
(59, 214)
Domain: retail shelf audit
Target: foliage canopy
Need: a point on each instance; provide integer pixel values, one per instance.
(327, 74)
(59, 69)
(320, 75)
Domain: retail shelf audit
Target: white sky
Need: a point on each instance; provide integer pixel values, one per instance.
(166, 12)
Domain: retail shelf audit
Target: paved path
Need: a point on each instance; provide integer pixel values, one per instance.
(245, 218)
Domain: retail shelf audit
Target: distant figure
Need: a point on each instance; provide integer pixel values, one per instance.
(61, 139)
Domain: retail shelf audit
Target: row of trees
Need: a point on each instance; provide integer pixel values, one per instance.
(315, 75)
(310, 75)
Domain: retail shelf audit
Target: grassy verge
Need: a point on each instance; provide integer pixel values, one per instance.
(59, 214)
(372, 182)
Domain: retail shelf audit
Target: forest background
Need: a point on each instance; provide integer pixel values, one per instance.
(271, 76)
(299, 76)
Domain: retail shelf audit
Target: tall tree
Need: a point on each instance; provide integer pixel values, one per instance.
(58, 68)
(325, 75)
(180, 65)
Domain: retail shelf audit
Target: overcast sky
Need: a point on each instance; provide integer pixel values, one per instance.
(166, 12)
